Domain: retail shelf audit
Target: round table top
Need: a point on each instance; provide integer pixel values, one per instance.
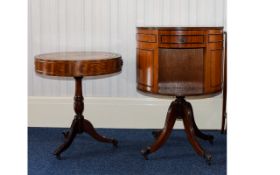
(76, 64)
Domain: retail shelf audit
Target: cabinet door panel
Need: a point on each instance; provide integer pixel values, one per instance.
(180, 71)
(145, 67)
(216, 68)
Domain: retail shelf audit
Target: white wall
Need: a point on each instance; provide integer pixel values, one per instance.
(108, 25)
(119, 112)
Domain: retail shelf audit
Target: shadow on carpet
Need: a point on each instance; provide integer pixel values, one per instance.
(86, 156)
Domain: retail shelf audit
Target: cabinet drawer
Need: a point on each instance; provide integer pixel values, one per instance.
(215, 38)
(215, 46)
(181, 39)
(215, 31)
(146, 38)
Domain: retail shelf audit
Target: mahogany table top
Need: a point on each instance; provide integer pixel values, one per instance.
(77, 64)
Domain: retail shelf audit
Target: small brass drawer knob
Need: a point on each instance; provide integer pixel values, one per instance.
(182, 39)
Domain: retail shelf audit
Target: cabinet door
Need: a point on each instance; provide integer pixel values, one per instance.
(216, 68)
(145, 63)
(180, 71)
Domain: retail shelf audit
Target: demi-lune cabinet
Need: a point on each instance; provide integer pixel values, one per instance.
(180, 61)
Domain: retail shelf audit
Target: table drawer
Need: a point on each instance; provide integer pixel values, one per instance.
(181, 39)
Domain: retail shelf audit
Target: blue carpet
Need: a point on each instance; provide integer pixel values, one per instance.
(87, 156)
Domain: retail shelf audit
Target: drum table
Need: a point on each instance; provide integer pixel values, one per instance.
(78, 65)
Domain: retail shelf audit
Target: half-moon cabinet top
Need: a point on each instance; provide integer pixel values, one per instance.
(180, 61)
(76, 64)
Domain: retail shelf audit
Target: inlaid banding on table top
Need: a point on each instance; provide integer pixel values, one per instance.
(74, 64)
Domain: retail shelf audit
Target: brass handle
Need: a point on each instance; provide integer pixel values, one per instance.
(182, 40)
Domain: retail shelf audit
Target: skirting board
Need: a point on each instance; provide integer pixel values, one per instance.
(120, 112)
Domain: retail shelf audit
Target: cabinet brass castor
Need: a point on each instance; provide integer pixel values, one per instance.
(57, 156)
(65, 134)
(115, 143)
(208, 158)
(156, 133)
(211, 141)
(145, 153)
